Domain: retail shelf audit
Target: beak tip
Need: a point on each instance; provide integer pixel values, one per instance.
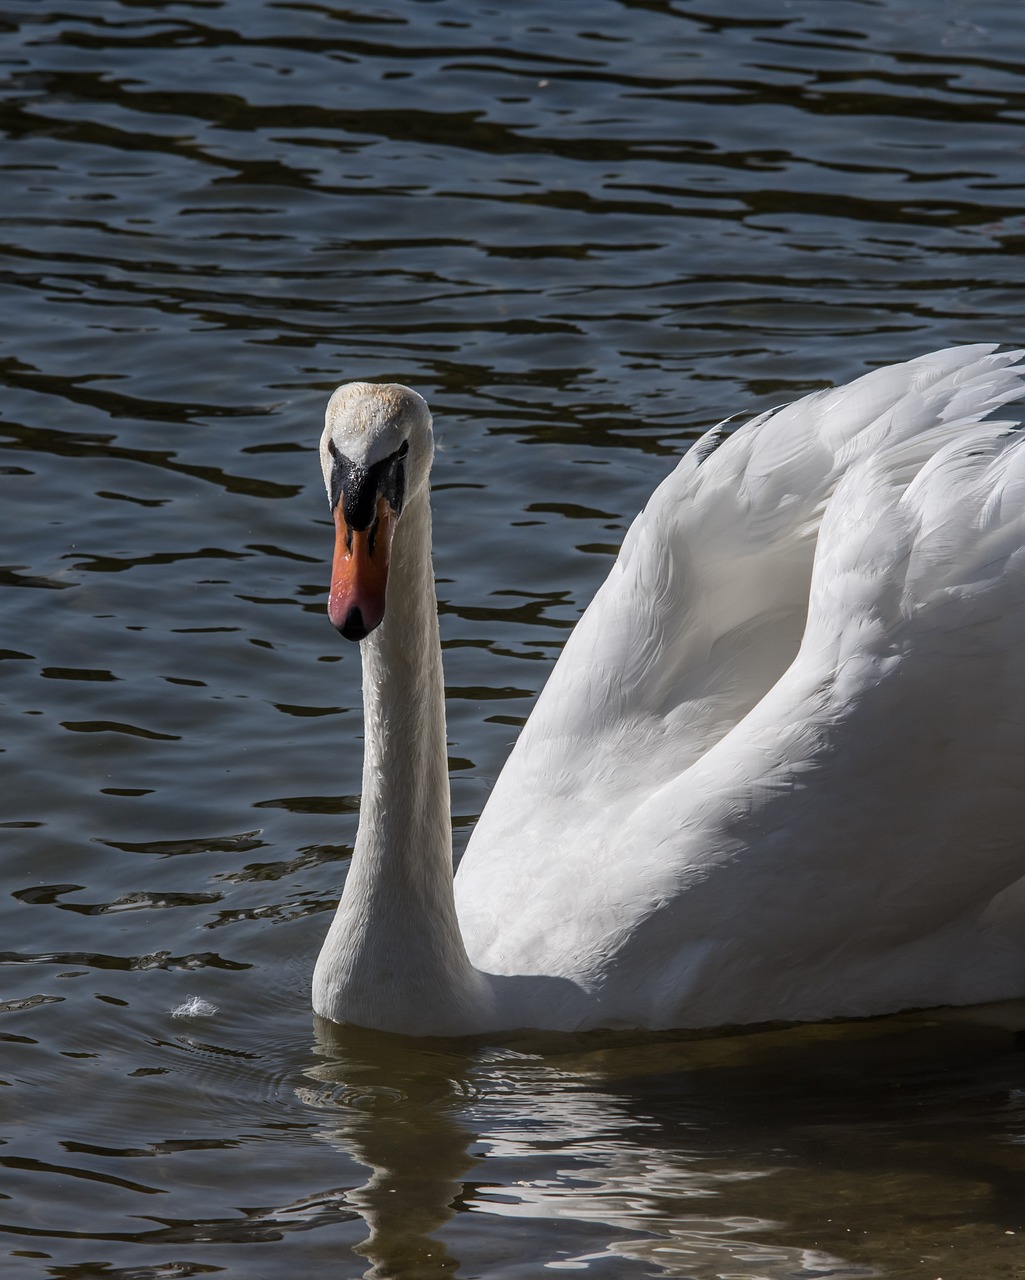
(351, 626)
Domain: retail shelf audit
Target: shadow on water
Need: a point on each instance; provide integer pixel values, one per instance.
(879, 1137)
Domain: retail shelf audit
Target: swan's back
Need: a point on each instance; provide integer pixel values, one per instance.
(778, 764)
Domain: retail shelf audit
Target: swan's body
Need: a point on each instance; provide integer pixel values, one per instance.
(779, 769)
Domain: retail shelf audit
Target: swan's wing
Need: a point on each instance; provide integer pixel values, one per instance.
(842, 849)
(597, 818)
(706, 604)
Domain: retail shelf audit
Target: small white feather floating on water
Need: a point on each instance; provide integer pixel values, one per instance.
(194, 1007)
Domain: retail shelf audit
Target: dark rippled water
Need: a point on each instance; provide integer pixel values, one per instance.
(584, 231)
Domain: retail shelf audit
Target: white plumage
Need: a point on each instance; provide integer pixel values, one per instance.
(779, 769)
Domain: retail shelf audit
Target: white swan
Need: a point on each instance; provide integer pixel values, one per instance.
(779, 769)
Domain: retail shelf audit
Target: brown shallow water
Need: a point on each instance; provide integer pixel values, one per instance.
(584, 231)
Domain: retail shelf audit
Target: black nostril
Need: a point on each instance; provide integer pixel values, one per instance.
(354, 628)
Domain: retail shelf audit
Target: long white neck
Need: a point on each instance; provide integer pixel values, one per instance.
(394, 958)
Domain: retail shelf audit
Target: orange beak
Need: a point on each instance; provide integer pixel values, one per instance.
(359, 572)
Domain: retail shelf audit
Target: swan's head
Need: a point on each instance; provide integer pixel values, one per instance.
(376, 453)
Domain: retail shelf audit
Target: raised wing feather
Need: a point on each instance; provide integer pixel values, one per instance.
(669, 736)
(844, 848)
(705, 607)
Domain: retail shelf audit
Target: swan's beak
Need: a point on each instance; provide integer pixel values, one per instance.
(359, 572)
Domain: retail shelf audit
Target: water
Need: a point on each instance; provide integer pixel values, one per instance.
(584, 231)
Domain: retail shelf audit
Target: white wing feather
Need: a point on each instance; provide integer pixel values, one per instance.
(702, 801)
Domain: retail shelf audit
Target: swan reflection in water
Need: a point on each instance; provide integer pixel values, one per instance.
(834, 1149)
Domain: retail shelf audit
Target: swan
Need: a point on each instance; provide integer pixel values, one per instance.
(778, 772)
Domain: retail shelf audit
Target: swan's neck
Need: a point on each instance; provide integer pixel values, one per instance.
(394, 958)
